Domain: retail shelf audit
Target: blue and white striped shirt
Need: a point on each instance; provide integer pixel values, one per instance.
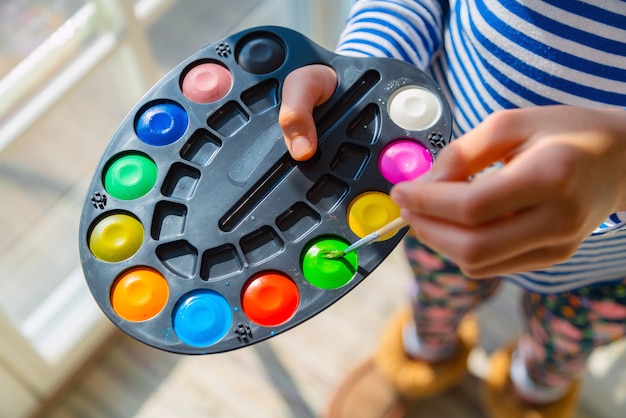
(489, 55)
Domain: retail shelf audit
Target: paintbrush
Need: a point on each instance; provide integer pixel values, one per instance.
(366, 240)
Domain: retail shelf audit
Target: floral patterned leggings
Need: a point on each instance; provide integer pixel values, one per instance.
(560, 330)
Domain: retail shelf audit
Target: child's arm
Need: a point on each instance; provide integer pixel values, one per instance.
(409, 30)
(564, 173)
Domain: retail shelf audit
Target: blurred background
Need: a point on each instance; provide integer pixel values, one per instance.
(70, 70)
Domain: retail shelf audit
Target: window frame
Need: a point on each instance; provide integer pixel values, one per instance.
(30, 356)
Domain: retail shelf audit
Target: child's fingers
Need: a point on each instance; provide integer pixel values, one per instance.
(303, 90)
(497, 139)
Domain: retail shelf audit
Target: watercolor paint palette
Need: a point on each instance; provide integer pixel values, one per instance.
(200, 234)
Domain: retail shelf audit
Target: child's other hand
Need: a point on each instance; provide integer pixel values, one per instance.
(564, 173)
(304, 89)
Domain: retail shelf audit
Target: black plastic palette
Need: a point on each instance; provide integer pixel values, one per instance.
(200, 234)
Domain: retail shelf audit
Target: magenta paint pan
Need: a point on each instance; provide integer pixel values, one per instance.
(200, 234)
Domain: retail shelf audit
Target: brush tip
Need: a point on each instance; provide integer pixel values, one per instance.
(331, 254)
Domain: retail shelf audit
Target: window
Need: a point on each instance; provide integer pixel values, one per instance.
(70, 70)
(47, 148)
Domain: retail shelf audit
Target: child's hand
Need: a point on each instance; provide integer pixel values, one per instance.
(304, 89)
(564, 173)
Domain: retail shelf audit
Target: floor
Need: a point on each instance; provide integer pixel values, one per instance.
(291, 375)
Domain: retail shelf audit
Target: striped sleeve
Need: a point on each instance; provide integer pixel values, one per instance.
(614, 222)
(503, 54)
(402, 29)
(600, 259)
